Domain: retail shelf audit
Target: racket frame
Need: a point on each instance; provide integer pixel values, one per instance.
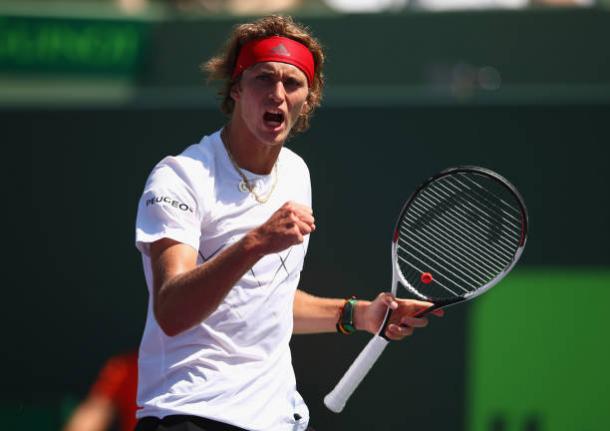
(397, 273)
(337, 398)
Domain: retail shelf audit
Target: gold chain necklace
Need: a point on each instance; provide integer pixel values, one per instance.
(260, 199)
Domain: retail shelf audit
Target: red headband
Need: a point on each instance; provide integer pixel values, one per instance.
(275, 48)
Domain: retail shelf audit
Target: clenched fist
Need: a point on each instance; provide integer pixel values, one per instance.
(286, 227)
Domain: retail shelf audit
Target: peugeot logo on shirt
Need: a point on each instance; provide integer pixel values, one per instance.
(167, 200)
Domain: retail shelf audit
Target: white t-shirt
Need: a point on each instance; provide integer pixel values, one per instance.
(235, 366)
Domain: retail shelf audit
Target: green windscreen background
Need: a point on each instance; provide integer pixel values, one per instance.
(539, 352)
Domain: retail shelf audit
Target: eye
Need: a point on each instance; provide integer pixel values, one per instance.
(293, 83)
(263, 77)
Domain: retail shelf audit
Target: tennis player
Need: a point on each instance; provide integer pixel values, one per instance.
(112, 398)
(223, 229)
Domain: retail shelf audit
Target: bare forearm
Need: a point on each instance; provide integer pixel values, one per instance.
(184, 294)
(189, 297)
(318, 315)
(94, 414)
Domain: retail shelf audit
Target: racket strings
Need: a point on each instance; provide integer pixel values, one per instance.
(468, 206)
(412, 272)
(464, 231)
(479, 218)
(499, 199)
(443, 288)
(435, 268)
(449, 263)
(440, 247)
(509, 207)
(459, 226)
(441, 239)
(494, 212)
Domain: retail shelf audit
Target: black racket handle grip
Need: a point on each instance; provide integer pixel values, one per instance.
(418, 314)
(427, 310)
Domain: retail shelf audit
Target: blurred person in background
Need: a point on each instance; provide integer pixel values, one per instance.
(132, 6)
(494, 4)
(567, 3)
(367, 6)
(111, 399)
(223, 230)
(236, 7)
(262, 7)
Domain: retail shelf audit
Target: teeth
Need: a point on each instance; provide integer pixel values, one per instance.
(274, 117)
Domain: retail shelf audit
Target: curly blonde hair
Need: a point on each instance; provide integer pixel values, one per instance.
(220, 67)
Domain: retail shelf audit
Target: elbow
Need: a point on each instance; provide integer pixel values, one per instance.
(169, 330)
(167, 323)
(165, 313)
(168, 327)
(175, 316)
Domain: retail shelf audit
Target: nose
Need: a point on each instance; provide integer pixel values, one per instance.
(278, 92)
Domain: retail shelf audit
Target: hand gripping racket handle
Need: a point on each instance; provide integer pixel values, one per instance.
(336, 399)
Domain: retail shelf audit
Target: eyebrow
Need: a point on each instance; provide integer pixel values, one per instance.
(291, 73)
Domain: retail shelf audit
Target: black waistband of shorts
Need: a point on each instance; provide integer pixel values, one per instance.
(183, 423)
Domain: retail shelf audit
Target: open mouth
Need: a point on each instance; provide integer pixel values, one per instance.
(273, 119)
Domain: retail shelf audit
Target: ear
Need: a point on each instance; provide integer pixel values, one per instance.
(235, 91)
(305, 108)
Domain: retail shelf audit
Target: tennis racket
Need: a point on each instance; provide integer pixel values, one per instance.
(457, 236)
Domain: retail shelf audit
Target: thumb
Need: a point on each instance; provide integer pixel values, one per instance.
(389, 300)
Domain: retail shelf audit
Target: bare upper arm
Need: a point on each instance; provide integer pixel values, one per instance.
(170, 258)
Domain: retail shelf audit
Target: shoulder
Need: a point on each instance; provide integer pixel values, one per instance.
(179, 190)
(294, 171)
(293, 161)
(194, 167)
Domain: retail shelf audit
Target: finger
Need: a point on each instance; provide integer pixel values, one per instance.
(304, 228)
(396, 332)
(419, 308)
(296, 232)
(300, 216)
(302, 211)
(421, 305)
(439, 312)
(389, 300)
(303, 208)
(308, 220)
(294, 206)
(415, 322)
(294, 220)
(425, 311)
(305, 217)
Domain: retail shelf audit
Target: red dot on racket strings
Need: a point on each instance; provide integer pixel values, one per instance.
(426, 278)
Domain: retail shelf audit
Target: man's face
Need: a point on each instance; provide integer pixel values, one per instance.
(268, 100)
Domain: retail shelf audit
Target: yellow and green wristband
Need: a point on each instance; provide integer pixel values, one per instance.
(345, 324)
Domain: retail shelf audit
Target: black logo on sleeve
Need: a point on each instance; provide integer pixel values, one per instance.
(169, 201)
